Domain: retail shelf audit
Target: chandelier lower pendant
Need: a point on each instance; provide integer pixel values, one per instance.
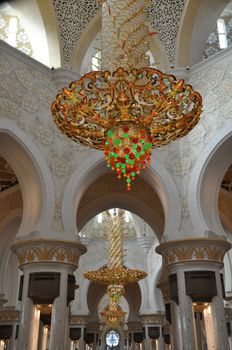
(113, 316)
(115, 276)
(128, 150)
(115, 292)
(115, 279)
(126, 113)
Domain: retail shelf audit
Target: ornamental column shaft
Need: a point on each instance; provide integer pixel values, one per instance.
(195, 285)
(124, 34)
(12, 342)
(215, 322)
(175, 329)
(186, 312)
(81, 340)
(48, 267)
(210, 329)
(43, 338)
(161, 340)
(27, 324)
(60, 315)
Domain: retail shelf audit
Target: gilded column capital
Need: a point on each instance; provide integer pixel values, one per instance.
(193, 249)
(78, 320)
(48, 250)
(165, 289)
(9, 315)
(155, 319)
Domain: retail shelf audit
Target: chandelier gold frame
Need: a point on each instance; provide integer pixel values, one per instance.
(126, 113)
(157, 102)
(119, 275)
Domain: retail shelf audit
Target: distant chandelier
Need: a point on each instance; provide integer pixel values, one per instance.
(116, 276)
(127, 111)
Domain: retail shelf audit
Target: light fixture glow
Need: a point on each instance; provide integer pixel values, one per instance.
(127, 217)
(99, 218)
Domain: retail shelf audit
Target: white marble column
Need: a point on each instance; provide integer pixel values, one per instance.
(210, 329)
(218, 314)
(200, 254)
(147, 339)
(161, 340)
(200, 329)
(81, 340)
(13, 342)
(28, 326)
(59, 319)
(46, 255)
(187, 320)
(35, 328)
(175, 329)
(43, 337)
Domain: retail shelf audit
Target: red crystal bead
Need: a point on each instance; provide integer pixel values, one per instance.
(126, 150)
(125, 128)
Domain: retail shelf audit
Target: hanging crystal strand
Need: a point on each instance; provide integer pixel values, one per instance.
(115, 237)
(116, 241)
(124, 34)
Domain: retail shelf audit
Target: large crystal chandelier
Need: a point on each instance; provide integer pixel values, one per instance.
(116, 276)
(127, 108)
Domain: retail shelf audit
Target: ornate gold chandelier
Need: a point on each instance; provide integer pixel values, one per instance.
(115, 276)
(128, 108)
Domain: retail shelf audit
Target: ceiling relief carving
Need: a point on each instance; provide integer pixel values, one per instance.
(7, 176)
(164, 17)
(74, 15)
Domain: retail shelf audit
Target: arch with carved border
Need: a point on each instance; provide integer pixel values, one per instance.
(39, 21)
(198, 19)
(34, 178)
(9, 272)
(94, 167)
(206, 179)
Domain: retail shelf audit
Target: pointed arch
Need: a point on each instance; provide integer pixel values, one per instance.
(34, 177)
(94, 167)
(198, 18)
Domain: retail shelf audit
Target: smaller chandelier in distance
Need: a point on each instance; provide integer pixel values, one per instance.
(126, 113)
(116, 276)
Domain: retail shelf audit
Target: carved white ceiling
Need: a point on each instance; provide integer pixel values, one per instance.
(74, 15)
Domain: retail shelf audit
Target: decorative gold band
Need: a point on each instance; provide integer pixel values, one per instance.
(48, 250)
(193, 249)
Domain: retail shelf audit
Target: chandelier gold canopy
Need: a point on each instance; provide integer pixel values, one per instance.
(126, 113)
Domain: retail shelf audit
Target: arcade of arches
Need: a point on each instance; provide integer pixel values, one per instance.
(54, 193)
